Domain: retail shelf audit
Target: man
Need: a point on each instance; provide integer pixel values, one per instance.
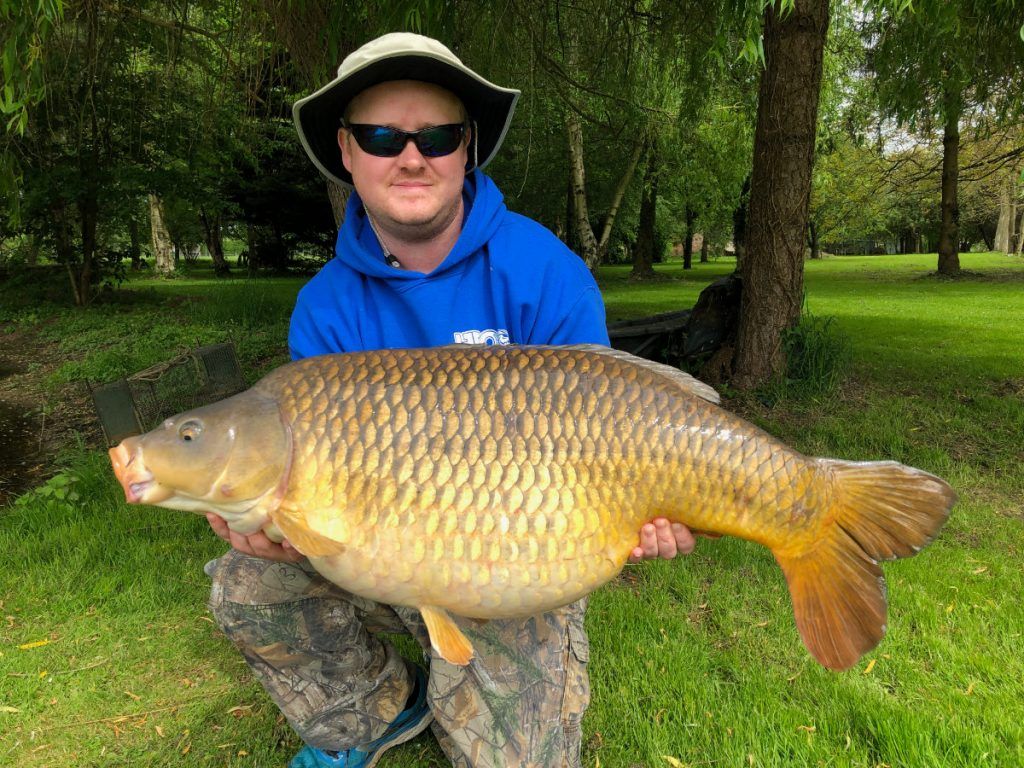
(427, 255)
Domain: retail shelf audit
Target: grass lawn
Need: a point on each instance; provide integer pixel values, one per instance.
(108, 657)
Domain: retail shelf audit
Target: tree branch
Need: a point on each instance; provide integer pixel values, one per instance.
(178, 26)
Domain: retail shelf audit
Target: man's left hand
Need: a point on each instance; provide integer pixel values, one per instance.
(660, 538)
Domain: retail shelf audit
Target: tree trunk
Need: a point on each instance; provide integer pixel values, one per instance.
(643, 251)
(252, 262)
(1013, 234)
(63, 243)
(1004, 226)
(704, 248)
(215, 242)
(620, 192)
(584, 232)
(691, 216)
(134, 246)
(61, 232)
(80, 266)
(88, 211)
(1020, 231)
(339, 200)
(812, 231)
(780, 188)
(33, 250)
(570, 217)
(739, 222)
(267, 249)
(910, 242)
(163, 248)
(987, 237)
(949, 227)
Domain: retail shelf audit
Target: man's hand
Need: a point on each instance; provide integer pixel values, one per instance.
(255, 544)
(660, 538)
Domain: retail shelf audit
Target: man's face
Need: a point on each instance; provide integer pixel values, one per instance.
(414, 196)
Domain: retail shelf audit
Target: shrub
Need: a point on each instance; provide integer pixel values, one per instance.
(817, 356)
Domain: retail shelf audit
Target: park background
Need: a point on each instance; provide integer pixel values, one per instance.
(156, 199)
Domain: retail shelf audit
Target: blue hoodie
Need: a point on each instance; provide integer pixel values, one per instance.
(508, 280)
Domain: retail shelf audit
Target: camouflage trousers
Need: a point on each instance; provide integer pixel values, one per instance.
(318, 652)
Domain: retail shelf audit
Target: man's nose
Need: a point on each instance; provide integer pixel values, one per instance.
(410, 156)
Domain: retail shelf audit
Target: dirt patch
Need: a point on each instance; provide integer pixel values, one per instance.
(18, 450)
(1009, 388)
(35, 423)
(996, 275)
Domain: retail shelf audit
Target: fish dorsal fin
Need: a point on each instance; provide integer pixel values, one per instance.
(302, 537)
(682, 379)
(445, 636)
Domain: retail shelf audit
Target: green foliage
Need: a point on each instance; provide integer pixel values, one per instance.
(861, 195)
(934, 58)
(817, 357)
(25, 27)
(629, 74)
(192, 105)
(58, 493)
(753, 45)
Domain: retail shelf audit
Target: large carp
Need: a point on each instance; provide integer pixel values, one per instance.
(507, 481)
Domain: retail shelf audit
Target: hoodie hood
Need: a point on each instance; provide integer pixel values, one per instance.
(357, 245)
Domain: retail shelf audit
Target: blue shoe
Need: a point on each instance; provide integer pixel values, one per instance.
(410, 722)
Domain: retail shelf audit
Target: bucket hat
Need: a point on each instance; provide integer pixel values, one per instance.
(400, 56)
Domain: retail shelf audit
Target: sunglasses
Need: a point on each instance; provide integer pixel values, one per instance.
(384, 141)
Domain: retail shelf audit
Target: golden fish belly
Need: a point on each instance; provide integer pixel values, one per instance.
(508, 485)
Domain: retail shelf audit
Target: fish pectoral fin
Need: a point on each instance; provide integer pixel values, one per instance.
(303, 538)
(445, 636)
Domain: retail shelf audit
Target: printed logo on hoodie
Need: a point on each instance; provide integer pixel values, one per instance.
(489, 336)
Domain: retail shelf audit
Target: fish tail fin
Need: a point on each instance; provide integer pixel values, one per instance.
(877, 511)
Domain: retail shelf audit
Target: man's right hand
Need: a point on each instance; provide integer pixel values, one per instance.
(255, 544)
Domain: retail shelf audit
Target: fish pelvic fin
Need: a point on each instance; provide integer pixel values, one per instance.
(302, 537)
(878, 511)
(445, 636)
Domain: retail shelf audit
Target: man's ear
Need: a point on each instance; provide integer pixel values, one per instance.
(344, 138)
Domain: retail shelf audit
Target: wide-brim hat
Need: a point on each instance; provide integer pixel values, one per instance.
(400, 56)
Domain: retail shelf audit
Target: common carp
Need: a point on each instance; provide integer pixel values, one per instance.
(507, 481)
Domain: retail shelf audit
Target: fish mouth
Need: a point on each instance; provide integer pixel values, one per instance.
(139, 484)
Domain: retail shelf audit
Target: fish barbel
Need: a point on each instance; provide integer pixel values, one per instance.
(507, 481)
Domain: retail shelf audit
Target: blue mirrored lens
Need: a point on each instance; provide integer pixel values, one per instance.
(384, 141)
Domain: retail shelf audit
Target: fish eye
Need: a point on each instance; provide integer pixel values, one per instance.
(190, 430)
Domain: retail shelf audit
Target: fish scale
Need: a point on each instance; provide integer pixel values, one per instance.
(506, 481)
(615, 443)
